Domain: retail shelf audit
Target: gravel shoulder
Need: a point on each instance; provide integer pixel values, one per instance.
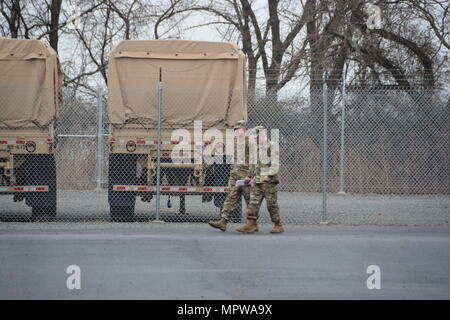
(296, 208)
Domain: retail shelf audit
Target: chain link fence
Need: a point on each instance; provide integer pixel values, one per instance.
(387, 155)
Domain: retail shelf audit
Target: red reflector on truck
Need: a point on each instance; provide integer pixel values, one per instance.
(193, 189)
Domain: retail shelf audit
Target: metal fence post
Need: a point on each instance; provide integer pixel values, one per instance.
(158, 148)
(342, 155)
(99, 155)
(325, 156)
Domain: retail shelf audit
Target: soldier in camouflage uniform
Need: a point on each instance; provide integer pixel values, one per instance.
(263, 186)
(239, 170)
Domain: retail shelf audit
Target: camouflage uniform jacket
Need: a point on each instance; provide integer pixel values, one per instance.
(270, 168)
(240, 167)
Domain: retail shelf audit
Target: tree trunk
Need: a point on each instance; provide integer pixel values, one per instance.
(55, 10)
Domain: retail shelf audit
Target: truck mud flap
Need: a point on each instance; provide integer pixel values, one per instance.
(39, 170)
(221, 176)
(122, 170)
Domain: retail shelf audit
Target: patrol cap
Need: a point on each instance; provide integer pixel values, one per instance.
(240, 124)
(257, 129)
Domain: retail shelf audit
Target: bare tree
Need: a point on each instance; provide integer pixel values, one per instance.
(435, 12)
(166, 15)
(284, 40)
(101, 30)
(10, 10)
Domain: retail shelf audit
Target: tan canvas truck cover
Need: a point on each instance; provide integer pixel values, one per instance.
(30, 83)
(201, 81)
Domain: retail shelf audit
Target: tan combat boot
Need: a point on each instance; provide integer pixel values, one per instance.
(250, 227)
(219, 224)
(278, 228)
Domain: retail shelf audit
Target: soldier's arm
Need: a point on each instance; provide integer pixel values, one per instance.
(274, 166)
(252, 170)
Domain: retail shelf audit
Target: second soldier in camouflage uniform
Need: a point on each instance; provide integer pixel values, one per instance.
(264, 186)
(239, 171)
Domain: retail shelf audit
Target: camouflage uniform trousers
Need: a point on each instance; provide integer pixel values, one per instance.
(258, 193)
(233, 197)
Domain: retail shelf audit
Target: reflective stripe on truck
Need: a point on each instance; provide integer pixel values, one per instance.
(155, 142)
(170, 188)
(13, 142)
(24, 189)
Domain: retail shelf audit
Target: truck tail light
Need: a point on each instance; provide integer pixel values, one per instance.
(30, 146)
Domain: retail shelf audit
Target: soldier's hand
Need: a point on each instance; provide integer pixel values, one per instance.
(247, 180)
(266, 179)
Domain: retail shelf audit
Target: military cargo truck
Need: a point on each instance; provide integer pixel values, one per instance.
(30, 97)
(201, 81)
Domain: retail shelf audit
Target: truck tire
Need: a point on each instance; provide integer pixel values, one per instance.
(209, 181)
(221, 176)
(219, 199)
(48, 212)
(122, 171)
(40, 169)
(122, 213)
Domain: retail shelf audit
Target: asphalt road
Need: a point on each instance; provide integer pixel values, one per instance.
(194, 261)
